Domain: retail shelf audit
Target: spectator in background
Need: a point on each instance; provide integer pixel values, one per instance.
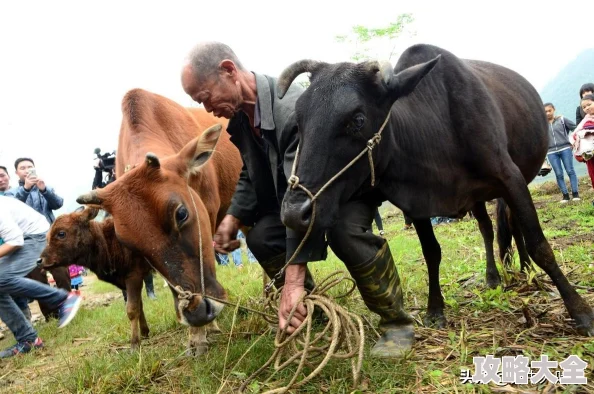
(560, 151)
(4, 180)
(98, 166)
(76, 279)
(378, 222)
(24, 233)
(33, 191)
(407, 222)
(582, 137)
(587, 88)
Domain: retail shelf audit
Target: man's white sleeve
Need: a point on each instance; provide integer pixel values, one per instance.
(10, 232)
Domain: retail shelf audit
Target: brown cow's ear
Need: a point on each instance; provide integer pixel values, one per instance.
(89, 213)
(197, 152)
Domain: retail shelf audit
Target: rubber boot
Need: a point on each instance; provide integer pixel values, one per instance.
(378, 282)
(150, 287)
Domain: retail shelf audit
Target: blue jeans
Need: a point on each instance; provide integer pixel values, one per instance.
(565, 156)
(224, 258)
(13, 284)
(251, 257)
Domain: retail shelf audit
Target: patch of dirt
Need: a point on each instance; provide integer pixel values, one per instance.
(563, 242)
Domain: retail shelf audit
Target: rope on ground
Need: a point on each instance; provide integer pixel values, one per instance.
(342, 336)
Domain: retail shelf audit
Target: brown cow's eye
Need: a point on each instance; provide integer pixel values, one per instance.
(61, 234)
(181, 215)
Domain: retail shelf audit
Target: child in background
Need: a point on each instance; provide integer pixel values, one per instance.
(582, 139)
(75, 277)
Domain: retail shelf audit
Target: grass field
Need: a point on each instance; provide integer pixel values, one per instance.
(92, 354)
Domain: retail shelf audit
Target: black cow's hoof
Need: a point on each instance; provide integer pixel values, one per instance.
(493, 281)
(435, 320)
(584, 324)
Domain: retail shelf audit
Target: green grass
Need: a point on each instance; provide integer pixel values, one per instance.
(92, 354)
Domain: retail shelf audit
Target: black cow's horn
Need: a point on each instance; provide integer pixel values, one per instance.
(90, 198)
(152, 160)
(291, 72)
(386, 71)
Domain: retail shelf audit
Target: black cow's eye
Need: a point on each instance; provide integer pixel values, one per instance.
(358, 121)
(61, 234)
(181, 215)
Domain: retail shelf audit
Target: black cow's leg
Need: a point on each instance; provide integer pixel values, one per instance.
(525, 264)
(519, 199)
(432, 253)
(486, 227)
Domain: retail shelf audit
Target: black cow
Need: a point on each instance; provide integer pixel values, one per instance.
(459, 133)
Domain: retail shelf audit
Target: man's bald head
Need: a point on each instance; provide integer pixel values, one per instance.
(206, 57)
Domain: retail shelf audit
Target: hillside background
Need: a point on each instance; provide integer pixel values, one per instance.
(563, 91)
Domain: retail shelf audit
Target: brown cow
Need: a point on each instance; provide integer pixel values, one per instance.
(75, 238)
(172, 194)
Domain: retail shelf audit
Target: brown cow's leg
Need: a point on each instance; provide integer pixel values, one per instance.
(486, 227)
(134, 307)
(432, 253)
(520, 201)
(41, 277)
(144, 328)
(62, 278)
(198, 344)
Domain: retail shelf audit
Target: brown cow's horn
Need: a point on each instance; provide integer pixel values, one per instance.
(291, 72)
(152, 160)
(89, 198)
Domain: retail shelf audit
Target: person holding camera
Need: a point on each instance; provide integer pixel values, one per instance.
(33, 191)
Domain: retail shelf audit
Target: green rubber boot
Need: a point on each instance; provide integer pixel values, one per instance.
(378, 282)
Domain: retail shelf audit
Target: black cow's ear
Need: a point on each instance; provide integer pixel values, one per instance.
(403, 83)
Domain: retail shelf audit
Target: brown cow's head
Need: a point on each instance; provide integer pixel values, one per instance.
(70, 240)
(157, 214)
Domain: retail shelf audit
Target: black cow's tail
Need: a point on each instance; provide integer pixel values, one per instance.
(504, 232)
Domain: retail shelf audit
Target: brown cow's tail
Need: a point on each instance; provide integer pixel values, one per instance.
(504, 233)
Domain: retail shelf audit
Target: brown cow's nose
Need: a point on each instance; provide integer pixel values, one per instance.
(205, 312)
(296, 210)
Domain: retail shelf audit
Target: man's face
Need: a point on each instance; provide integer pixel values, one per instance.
(22, 169)
(219, 94)
(4, 180)
(550, 111)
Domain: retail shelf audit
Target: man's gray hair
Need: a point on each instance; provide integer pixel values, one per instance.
(205, 58)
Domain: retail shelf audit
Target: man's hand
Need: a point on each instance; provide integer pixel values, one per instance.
(30, 181)
(40, 185)
(292, 291)
(225, 237)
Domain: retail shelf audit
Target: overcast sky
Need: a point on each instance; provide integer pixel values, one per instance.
(65, 65)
